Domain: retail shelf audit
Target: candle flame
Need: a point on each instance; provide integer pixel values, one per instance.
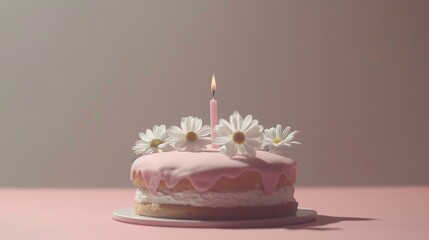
(213, 87)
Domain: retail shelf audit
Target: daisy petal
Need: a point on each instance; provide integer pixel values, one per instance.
(278, 131)
(230, 149)
(180, 144)
(149, 151)
(141, 143)
(253, 132)
(144, 137)
(291, 136)
(183, 124)
(161, 130)
(149, 134)
(255, 143)
(222, 149)
(249, 150)
(222, 140)
(234, 120)
(204, 131)
(190, 124)
(198, 124)
(266, 133)
(155, 130)
(164, 135)
(242, 149)
(175, 129)
(177, 135)
(272, 133)
(226, 124)
(223, 130)
(246, 122)
(285, 132)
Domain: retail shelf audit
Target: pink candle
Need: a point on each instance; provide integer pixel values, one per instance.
(213, 111)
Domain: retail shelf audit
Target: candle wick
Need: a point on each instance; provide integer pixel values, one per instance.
(214, 93)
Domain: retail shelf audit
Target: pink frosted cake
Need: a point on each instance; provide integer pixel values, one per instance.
(213, 183)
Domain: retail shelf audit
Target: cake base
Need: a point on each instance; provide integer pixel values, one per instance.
(127, 215)
(208, 213)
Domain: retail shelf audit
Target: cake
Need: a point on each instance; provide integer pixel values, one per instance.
(210, 185)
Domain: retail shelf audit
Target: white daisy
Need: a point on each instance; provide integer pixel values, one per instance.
(153, 141)
(191, 137)
(274, 138)
(238, 134)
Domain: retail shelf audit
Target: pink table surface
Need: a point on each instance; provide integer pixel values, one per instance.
(344, 213)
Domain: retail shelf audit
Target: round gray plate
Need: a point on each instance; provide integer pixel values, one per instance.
(127, 215)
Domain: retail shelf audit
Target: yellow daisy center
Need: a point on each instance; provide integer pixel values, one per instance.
(276, 140)
(155, 142)
(238, 137)
(191, 136)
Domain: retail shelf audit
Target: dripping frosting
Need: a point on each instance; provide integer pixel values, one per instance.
(203, 169)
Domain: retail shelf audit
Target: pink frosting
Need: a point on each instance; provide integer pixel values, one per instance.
(203, 169)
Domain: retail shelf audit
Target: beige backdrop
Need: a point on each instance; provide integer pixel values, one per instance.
(80, 79)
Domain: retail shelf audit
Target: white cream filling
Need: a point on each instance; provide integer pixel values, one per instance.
(251, 198)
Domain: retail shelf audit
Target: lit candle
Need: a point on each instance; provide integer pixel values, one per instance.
(213, 110)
